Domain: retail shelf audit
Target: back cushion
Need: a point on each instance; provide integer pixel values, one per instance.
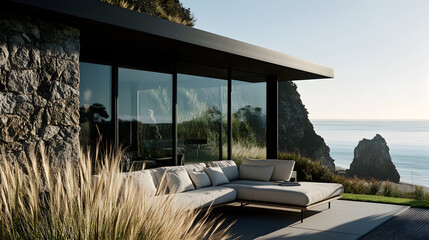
(195, 166)
(228, 167)
(145, 180)
(257, 173)
(282, 168)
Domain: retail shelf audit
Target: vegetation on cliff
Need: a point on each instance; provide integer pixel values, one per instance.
(171, 10)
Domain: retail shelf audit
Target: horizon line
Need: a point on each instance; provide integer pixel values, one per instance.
(373, 119)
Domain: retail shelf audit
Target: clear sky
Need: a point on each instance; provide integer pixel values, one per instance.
(378, 49)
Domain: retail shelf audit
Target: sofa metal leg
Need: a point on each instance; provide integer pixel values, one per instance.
(329, 205)
(302, 215)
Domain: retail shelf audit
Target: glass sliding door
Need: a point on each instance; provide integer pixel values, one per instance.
(201, 118)
(95, 104)
(249, 110)
(145, 116)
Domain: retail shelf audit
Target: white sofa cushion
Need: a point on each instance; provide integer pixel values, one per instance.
(200, 198)
(228, 167)
(258, 173)
(282, 168)
(200, 178)
(144, 180)
(304, 195)
(216, 175)
(179, 181)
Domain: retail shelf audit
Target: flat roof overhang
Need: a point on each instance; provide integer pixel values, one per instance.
(116, 35)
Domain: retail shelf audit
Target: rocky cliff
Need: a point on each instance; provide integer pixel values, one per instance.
(296, 133)
(372, 160)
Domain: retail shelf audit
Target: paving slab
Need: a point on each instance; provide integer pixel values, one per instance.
(344, 220)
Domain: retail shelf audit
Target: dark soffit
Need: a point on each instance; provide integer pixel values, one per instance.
(131, 34)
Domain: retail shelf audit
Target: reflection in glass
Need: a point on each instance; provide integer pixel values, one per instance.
(248, 119)
(145, 116)
(94, 103)
(201, 117)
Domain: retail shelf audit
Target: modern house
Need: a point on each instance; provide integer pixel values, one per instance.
(72, 71)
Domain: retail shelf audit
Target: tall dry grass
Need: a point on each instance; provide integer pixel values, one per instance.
(42, 201)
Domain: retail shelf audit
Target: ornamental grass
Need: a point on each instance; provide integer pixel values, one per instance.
(39, 200)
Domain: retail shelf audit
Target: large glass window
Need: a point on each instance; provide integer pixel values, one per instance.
(94, 103)
(201, 117)
(145, 116)
(248, 116)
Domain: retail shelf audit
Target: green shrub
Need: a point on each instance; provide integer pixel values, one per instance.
(387, 189)
(398, 193)
(308, 169)
(374, 187)
(419, 193)
(361, 186)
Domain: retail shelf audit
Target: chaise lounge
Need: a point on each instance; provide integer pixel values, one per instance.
(260, 182)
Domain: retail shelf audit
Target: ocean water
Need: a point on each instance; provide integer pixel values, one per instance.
(408, 141)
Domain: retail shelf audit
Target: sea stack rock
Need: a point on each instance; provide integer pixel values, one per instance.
(372, 160)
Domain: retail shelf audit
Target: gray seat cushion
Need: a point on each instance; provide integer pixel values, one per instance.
(306, 194)
(204, 197)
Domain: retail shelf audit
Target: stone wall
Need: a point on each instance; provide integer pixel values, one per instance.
(39, 88)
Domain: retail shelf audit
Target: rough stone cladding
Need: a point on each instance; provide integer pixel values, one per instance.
(39, 88)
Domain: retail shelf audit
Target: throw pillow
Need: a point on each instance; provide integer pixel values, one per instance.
(217, 177)
(199, 178)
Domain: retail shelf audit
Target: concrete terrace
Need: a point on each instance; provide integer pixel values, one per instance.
(345, 220)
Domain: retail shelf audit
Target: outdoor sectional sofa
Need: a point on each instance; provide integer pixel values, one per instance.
(262, 182)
